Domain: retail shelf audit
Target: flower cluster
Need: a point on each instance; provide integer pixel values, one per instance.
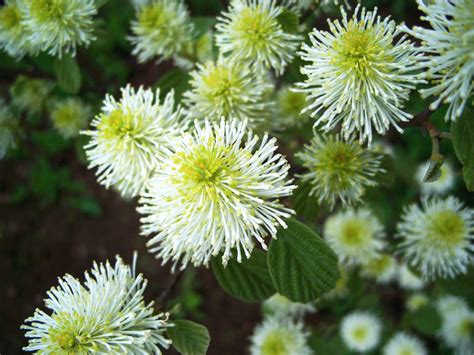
(8, 127)
(70, 116)
(360, 331)
(105, 314)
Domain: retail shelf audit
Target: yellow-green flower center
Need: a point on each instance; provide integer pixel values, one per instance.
(377, 266)
(466, 328)
(222, 87)
(446, 228)
(9, 16)
(360, 333)
(118, 124)
(45, 10)
(154, 17)
(355, 233)
(255, 27)
(291, 103)
(274, 344)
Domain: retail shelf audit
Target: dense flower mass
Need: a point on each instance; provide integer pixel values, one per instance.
(8, 126)
(359, 75)
(404, 344)
(278, 336)
(228, 90)
(105, 314)
(339, 170)
(29, 95)
(14, 36)
(361, 331)
(59, 26)
(449, 44)
(250, 33)
(130, 136)
(217, 192)
(70, 116)
(437, 238)
(355, 235)
(162, 29)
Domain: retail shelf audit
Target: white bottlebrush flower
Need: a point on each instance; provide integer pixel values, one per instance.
(449, 45)
(130, 136)
(359, 74)
(355, 235)
(289, 107)
(281, 307)
(404, 344)
(278, 336)
(457, 331)
(59, 26)
(162, 29)
(70, 116)
(218, 191)
(416, 301)
(448, 304)
(14, 36)
(408, 280)
(250, 33)
(227, 90)
(439, 187)
(436, 238)
(105, 314)
(29, 95)
(360, 331)
(8, 126)
(383, 268)
(339, 170)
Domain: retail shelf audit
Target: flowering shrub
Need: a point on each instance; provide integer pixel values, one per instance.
(274, 144)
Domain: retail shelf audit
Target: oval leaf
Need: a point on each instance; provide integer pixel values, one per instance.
(68, 74)
(189, 338)
(302, 266)
(249, 281)
(462, 131)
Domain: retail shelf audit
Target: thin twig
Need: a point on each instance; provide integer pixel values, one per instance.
(171, 286)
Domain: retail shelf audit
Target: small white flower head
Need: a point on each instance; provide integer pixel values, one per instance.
(105, 314)
(457, 330)
(359, 74)
(409, 280)
(339, 170)
(404, 344)
(250, 33)
(229, 90)
(439, 187)
(437, 237)
(162, 29)
(14, 36)
(279, 336)
(448, 304)
(218, 191)
(360, 331)
(383, 268)
(59, 26)
(289, 107)
(29, 95)
(70, 116)
(281, 307)
(416, 301)
(355, 235)
(8, 128)
(449, 45)
(130, 136)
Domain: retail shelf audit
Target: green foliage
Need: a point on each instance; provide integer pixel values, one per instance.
(189, 338)
(288, 21)
(175, 79)
(424, 320)
(248, 281)
(302, 265)
(462, 131)
(68, 74)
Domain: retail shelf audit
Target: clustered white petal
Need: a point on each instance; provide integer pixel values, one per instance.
(359, 74)
(439, 187)
(130, 136)
(69, 116)
(437, 238)
(14, 35)
(281, 307)
(404, 344)
(218, 191)
(106, 314)
(360, 331)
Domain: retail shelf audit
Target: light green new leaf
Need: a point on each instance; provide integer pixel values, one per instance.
(68, 74)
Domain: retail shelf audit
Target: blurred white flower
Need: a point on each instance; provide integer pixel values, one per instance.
(282, 337)
(404, 344)
(29, 95)
(289, 105)
(408, 280)
(70, 116)
(281, 307)
(250, 33)
(360, 331)
(359, 74)
(105, 314)
(439, 187)
(436, 238)
(8, 127)
(448, 304)
(217, 192)
(130, 136)
(416, 301)
(383, 268)
(457, 331)
(14, 35)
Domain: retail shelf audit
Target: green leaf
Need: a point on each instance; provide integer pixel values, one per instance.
(386, 177)
(425, 320)
(175, 79)
(189, 338)
(202, 24)
(462, 131)
(288, 21)
(302, 266)
(248, 281)
(304, 204)
(50, 141)
(434, 170)
(68, 74)
(87, 205)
